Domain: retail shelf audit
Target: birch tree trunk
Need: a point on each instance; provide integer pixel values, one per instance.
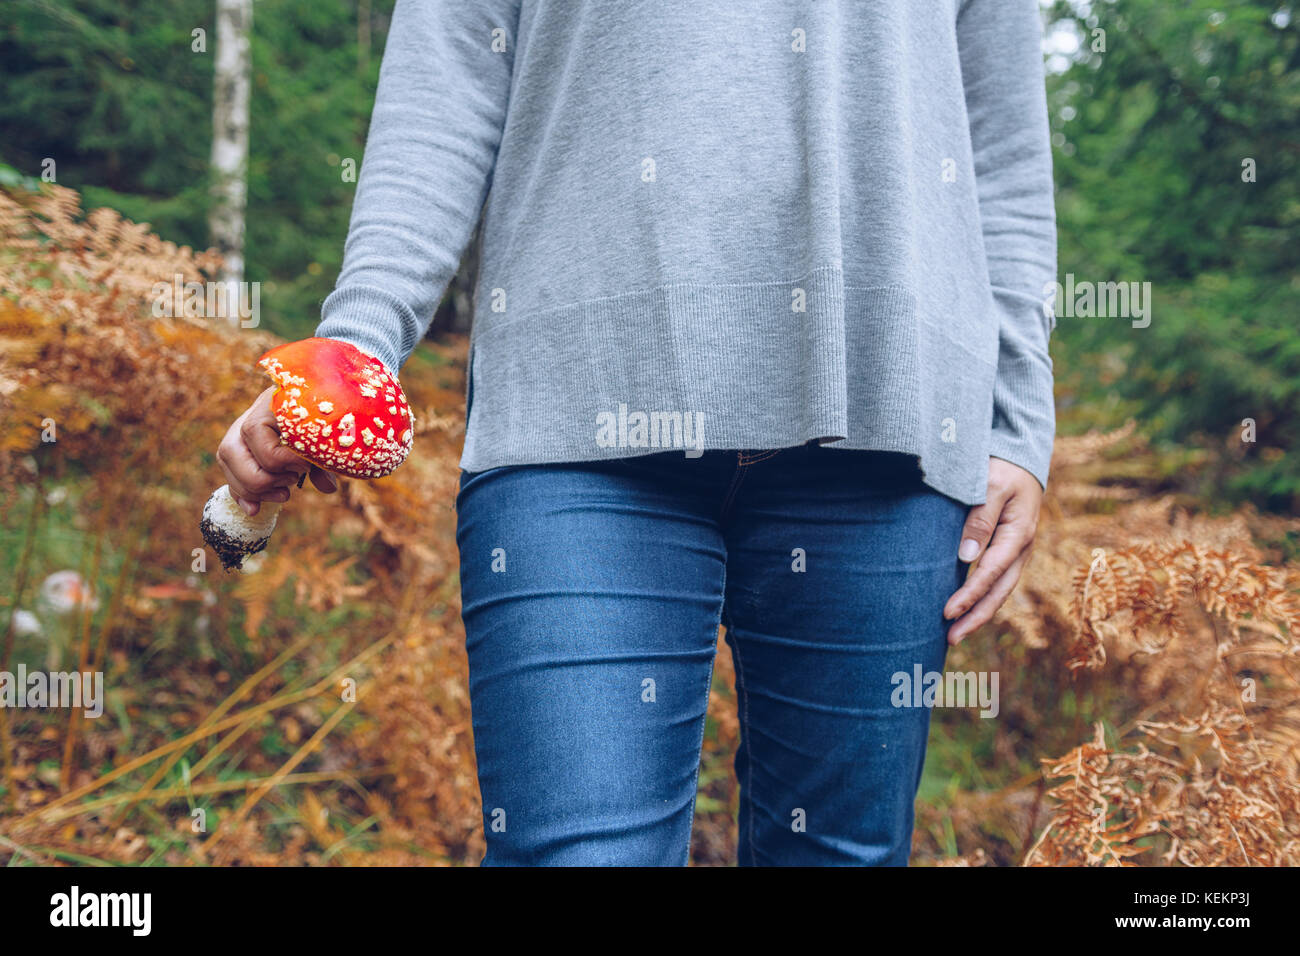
(230, 136)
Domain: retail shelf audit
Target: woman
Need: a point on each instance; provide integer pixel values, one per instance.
(759, 340)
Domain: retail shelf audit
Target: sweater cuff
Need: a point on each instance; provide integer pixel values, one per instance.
(1024, 416)
(374, 321)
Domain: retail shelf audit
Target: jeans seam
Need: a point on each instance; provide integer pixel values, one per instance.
(704, 720)
(742, 693)
(736, 479)
(747, 459)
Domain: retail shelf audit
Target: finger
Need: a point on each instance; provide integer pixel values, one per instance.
(252, 507)
(1009, 542)
(241, 494)
(987, 606)
(263, 439)
(248, 479)
(248, 506)
(324, 480)
(981, 523)
(251, 502)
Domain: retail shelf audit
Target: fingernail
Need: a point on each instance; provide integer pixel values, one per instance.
(969, 548)
(247, 506)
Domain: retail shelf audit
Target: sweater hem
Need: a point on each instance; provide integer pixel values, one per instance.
(663, 369)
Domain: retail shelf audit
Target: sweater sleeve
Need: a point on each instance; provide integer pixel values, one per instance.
(1000, 46)
(437, 122)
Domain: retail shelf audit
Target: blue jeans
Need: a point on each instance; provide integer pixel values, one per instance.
(592, 594)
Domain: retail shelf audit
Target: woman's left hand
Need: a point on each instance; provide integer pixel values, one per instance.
(998, 537)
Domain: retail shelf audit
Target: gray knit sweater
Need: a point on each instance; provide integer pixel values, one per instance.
(713, 224)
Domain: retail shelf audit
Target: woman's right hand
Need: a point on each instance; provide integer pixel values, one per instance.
(258, 467)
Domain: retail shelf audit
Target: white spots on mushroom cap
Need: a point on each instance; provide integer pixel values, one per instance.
(334, 444)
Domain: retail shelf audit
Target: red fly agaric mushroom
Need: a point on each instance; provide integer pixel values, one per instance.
(336, 407)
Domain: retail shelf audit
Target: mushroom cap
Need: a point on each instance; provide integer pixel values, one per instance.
(339, 408)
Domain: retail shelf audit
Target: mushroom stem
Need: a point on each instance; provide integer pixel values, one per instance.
(232, 533)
